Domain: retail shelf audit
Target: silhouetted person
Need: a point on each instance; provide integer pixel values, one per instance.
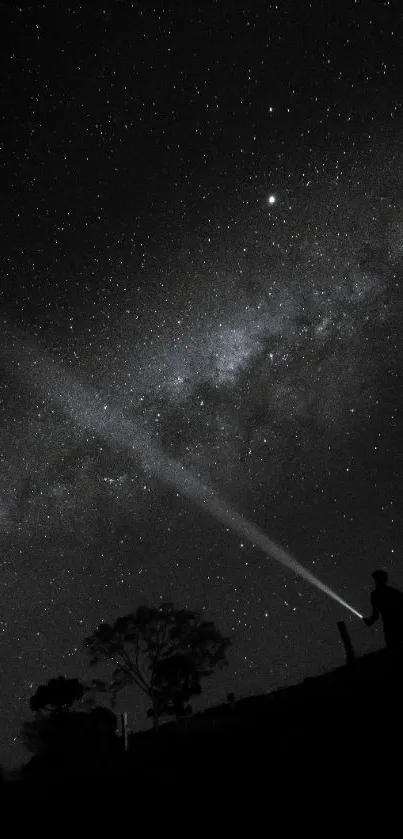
(387, 602)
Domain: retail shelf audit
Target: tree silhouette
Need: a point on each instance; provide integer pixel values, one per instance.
(57, 696)
(40, 734)
(163, 651)
(177, 679)
(50, 704)
(73, 735)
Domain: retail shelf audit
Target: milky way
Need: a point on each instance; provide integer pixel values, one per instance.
(232, 384)
(228, 282)
(253, 389)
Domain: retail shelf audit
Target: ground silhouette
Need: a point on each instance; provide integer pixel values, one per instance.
(321, 734)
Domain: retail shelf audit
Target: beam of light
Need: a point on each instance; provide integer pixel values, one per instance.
(204, 496)
(91, 413)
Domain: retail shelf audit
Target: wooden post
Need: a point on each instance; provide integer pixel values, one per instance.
(350, 655)
(124, 730)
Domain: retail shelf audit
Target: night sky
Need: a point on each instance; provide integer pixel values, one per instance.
(201, 246)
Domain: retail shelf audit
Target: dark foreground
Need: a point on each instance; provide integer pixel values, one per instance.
(329, 738)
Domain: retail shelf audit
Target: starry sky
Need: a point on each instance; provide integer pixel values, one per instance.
(202, 247)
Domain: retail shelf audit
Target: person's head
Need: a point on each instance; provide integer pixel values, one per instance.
(380, 577)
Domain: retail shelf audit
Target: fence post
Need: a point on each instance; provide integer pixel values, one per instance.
(350, 655)
(123, 719)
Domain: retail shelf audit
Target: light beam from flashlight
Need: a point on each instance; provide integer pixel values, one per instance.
(204, 496)
(83, 406)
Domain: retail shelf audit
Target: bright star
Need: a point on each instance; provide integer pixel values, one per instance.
(271, 199)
